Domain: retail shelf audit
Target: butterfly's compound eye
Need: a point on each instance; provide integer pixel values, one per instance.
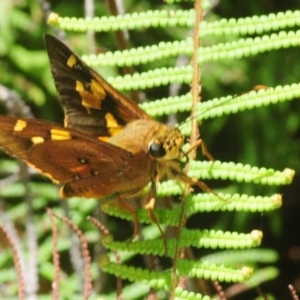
(157, 150)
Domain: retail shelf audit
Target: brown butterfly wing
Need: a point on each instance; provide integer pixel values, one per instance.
(87, 166)
(91, 104)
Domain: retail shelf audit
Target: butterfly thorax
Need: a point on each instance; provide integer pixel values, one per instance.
(156, 140)
(155, 147)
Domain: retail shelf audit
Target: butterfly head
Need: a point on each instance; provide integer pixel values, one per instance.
(166, 144)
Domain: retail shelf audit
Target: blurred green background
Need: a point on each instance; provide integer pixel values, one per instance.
(268, 137)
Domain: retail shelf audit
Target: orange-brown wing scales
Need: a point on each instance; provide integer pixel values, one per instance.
(82, 165)
(122, 179)
(72, 160)
(88, 167)
(90, 103)
(17, 135)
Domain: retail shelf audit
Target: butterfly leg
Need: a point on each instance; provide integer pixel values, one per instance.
(200, 184)
(195, 181)
(130, 209)
(204, 149)
(150, 207)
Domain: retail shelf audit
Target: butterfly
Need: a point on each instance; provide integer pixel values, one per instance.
(108, 146)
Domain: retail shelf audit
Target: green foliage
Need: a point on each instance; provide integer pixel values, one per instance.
(232, 61)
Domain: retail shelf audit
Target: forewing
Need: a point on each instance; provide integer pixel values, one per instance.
(91, 104)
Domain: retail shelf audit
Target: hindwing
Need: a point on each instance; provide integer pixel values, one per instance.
(88, 166)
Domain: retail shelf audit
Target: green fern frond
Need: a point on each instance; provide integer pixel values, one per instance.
(236, 257)
(230, 50)
(181, 294)
(203, 170)
(190, 238)
(134, 21)
(174, 18)
(192, 269)
(152, 78)
(239, 173)
(251, 25)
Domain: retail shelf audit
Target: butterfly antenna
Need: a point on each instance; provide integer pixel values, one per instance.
(220, 103)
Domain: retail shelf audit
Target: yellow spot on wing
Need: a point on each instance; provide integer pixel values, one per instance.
(20, 125)
(111, 122)
(97, 89)
(60, 135)
(92, 98)
(115, 131)
(103, 138)
(37, 139)
(71, 61)
(79, 87)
